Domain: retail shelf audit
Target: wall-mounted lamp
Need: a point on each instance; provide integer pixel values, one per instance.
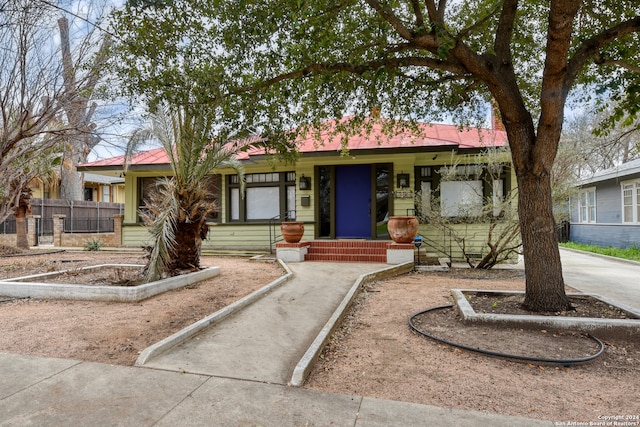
(402, 180)
(305, 183)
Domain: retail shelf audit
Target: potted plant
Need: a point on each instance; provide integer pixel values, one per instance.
(292, 231)
(403, 229)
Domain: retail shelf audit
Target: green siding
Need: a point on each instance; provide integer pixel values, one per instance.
(475, 236)
(246, 237)
(256, 236)
(135, 235)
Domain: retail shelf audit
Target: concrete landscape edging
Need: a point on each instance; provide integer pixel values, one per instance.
(606, 327)
(308, 360)
(19, 288)
(195, 328)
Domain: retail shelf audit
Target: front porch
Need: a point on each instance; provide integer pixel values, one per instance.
(347, 250)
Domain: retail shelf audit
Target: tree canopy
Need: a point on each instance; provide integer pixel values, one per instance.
(286, 63)
(414, 59)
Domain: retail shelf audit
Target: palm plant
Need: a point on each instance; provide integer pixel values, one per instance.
(21, 172)
(178, 207)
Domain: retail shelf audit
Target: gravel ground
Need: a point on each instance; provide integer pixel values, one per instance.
(374, 352)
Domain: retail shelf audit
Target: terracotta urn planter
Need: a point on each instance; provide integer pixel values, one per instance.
(403, 229)
(292, 231)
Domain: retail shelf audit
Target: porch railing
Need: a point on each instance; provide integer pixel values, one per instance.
(442, 247)
(274, 223)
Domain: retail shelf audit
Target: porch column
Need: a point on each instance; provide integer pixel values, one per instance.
(400, 253)
(58, 229)
(117, 229)
(32, 229)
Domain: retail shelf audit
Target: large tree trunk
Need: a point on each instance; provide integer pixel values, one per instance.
(79, 115)
(544, 283)
(533, 155)
(71, 181)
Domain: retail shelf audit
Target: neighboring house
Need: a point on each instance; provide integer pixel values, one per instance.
(337, 196)
(97, 188)
(101, 188)
(607, 209)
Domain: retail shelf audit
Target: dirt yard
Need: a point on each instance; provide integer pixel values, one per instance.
(112, 332)
(374, 353)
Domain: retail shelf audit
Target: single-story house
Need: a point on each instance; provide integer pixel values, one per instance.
(336, 195)
(607, 209)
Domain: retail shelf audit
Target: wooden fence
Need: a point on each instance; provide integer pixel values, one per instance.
(80, 216)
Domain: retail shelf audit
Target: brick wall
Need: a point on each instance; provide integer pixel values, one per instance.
(62, 239)
(81, 239)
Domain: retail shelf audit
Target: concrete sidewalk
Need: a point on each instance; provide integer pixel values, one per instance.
(56, 392)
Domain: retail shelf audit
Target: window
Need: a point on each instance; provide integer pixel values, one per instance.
(631, 202)
(461, 198)
(462, 191)
(145, 187)
(423, 201)
(148, 184)
(214, 196)
(268, 195)
(106, 193)
(588, 205)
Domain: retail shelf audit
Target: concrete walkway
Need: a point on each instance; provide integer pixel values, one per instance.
(613, 278)
(265, 341)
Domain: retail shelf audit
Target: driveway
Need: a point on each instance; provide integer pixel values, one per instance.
(615, 279)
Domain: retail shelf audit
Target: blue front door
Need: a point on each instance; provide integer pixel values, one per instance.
(353, 202)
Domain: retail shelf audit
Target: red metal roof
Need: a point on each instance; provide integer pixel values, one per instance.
(431, 135)
(157, 156)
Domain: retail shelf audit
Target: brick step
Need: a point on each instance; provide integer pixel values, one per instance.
(337, 257)
(347, 251)
(350, 244)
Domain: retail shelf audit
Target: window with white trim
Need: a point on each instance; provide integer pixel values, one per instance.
(106, 193)
(588, 205)
(631, 202)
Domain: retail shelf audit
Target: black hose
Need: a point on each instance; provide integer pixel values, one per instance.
(13, 299)
(563, 362)
(35, 253)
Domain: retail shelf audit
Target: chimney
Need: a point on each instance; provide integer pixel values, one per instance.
(496, 121)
